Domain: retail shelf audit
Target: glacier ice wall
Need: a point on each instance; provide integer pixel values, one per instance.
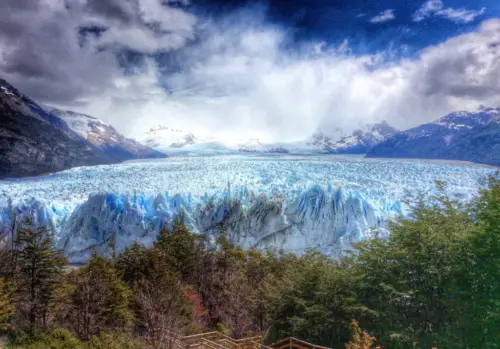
(286, 202)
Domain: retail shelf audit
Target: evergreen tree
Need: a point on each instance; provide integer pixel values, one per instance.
(178, 247)
(6, 305)
(38, 271)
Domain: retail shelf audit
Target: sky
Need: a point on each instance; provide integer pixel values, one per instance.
(274, 70)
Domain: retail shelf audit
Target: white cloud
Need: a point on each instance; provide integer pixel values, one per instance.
(384, 16)
(460, 15)
(436, 8)
(237, 81)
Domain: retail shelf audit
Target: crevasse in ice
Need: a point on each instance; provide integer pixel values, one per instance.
(282, 202)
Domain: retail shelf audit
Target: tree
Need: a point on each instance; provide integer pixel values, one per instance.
(178, 247)
(476, 288)
(162, 311)
(154, 276)
(38, 271)
(6, 305)
(315, 301)
(98, 299)
(360, 339)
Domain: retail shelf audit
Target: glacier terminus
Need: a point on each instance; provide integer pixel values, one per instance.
(274, 201)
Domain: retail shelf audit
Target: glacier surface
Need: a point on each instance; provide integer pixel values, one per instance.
(277, 201)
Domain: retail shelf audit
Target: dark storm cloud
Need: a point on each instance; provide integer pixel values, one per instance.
(122, 10)
(20, 4)
(72, 45)
(43, 51)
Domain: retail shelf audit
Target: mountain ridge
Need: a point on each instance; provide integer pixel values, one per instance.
(35, 141)
(466, 136)
(104, 136)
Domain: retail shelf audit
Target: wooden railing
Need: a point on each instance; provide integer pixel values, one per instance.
(218, 340)
(294, 343)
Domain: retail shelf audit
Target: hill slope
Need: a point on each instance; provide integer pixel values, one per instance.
(456, 136)
(34, 140)
(104, 136)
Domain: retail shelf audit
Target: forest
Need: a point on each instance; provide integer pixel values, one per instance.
(433, 283)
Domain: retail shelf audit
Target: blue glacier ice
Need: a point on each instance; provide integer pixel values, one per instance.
(284, 202)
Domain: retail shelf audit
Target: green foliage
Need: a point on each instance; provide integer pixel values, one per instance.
(61, 338)
(114, 340)
(7, 308)
(476, 287)
(58, 338)
(98, 298)
(178, 248)
(407, 277)
(37, 275)
(316, 301)
(434, 282)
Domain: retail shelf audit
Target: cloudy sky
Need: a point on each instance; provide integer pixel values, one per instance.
(275, 70)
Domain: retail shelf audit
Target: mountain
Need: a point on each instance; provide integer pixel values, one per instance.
(166, 137)
(323, 142)
(256, 146)
(468, 136)
(359, 142)
(35, 141)
(173, 141)
(104, 136)
(363, 140)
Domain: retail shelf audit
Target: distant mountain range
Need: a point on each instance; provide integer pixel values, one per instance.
(468, 136)
(359, 142)
(34, 140)
(175, 141)
(37, 139)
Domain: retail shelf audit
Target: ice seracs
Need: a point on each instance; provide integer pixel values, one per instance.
(288, 202)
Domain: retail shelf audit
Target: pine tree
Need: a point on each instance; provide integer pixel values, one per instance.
(6, 304)
(39, 267)
(178, 247)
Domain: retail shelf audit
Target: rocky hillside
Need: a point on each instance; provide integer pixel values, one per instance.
(35, 141)
(469, 136)
(104, 136)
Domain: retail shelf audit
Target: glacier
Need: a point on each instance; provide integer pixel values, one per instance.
(274, 201)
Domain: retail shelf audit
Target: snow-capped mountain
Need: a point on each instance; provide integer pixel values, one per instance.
(254, 145)
(36, 139)
(104, 136)
(363, 140)
(358, 142)
(323, 142)
(172, 141)
(470, 136)
(33, 141)
(166, 137)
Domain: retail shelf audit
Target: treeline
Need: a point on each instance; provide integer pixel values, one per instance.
(435, 282)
